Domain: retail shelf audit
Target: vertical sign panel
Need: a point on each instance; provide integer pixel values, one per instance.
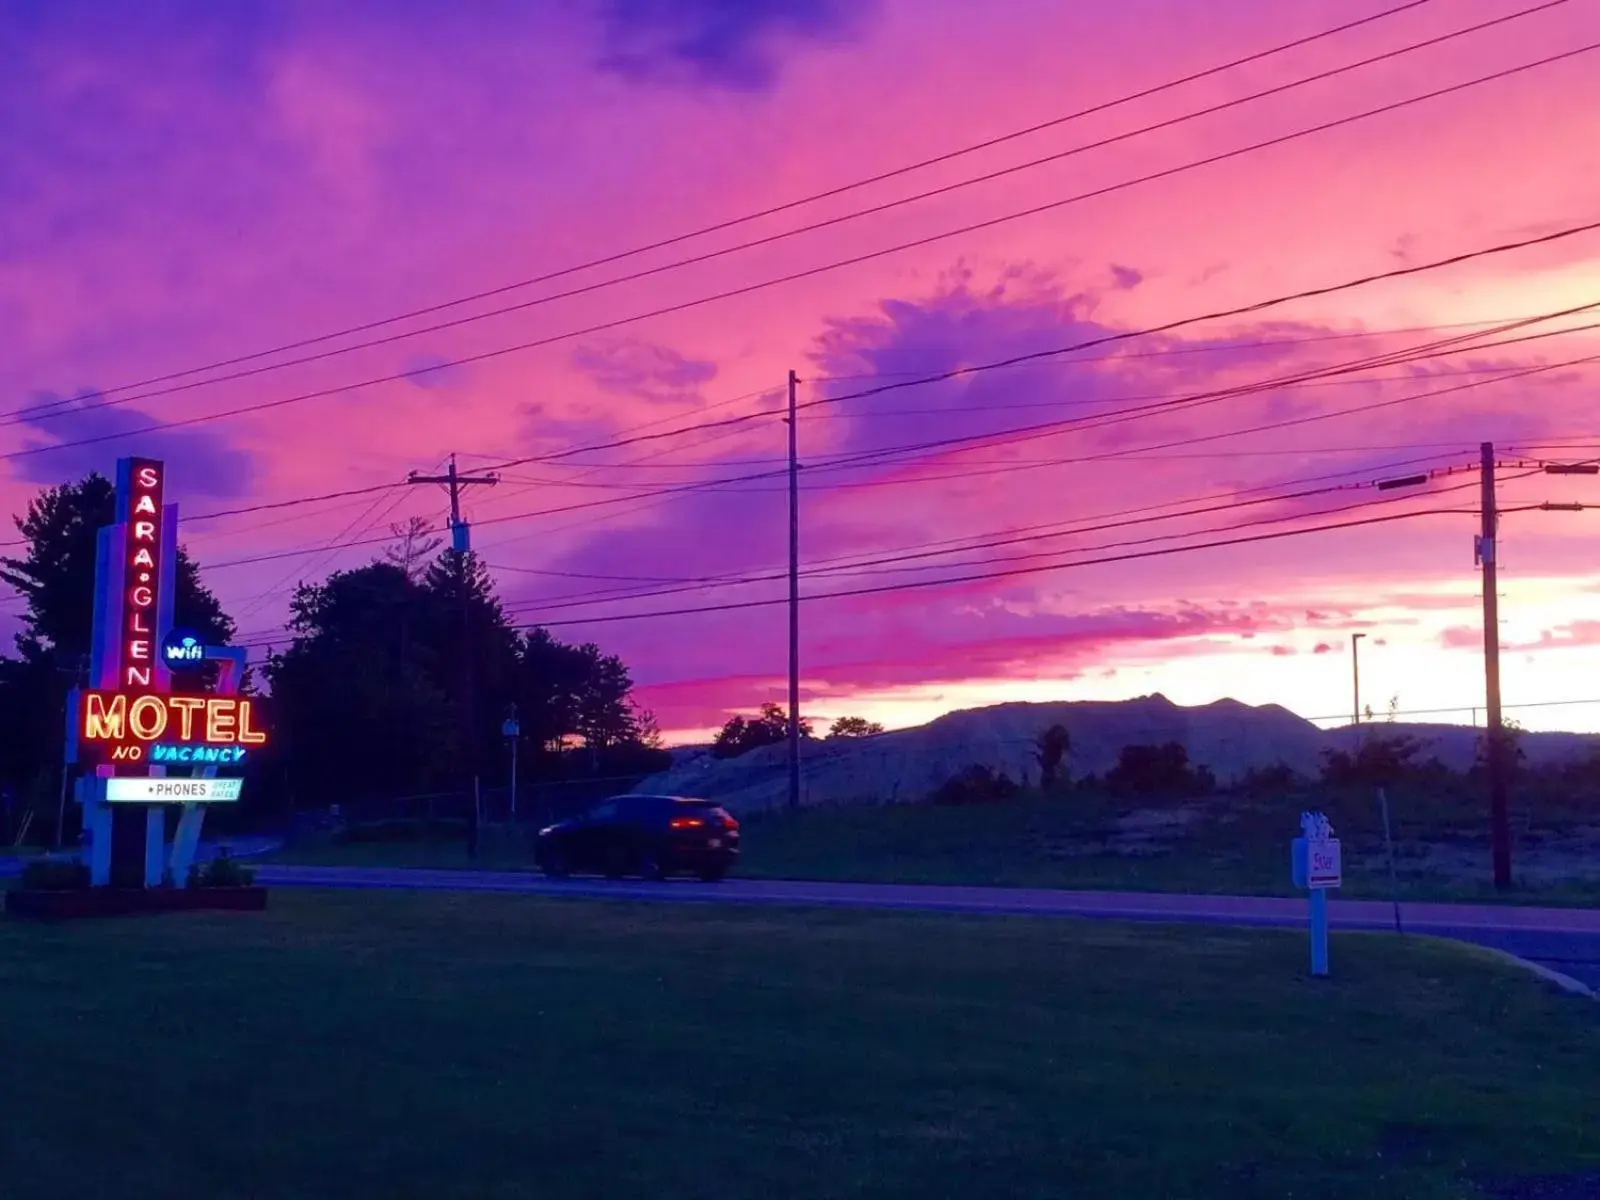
(142, 547)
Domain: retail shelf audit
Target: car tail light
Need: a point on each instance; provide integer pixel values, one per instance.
(728, 822)
(685, 823)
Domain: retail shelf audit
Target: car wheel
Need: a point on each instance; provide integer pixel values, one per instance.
(649, 868)
(554, 865)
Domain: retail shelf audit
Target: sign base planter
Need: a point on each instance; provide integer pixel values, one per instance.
(65, 904)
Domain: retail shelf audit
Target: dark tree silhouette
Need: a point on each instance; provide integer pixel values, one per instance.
(854, 727)
(744, 734)
(369, 692)
(1050, 752)
(414, 545)
(1157, 771)
(1380, 759)
(360, 696)
(56, 575)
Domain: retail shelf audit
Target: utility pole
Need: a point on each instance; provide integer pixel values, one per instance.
(794, 597)
(461, 544)
(1499, 816)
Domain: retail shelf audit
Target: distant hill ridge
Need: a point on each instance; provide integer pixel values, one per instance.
(1229, 737)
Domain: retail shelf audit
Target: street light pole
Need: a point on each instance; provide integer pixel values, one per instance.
(1355, 673)
(512, 730)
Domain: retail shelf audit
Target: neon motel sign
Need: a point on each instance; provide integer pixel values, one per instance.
(195, 730)
(131, 720)
(142, 553)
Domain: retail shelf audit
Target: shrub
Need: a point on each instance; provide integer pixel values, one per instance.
(1268, 781)
(1157, 771)
(1380, 759)
(976, 784)
(55, 875)
(221, 872)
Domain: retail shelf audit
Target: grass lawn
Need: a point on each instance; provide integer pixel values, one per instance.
(1226, 844)
(489, 1046)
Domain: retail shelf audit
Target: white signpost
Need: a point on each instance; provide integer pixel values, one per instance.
(137, 789)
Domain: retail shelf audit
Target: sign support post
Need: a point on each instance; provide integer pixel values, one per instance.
(1315, 865)
(1319, 932)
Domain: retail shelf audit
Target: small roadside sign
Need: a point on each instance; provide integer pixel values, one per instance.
(1323, 865)
(1315, 865)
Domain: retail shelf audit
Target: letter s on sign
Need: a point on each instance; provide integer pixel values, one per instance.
(148, 477)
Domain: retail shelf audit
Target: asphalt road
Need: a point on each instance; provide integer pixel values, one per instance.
(1562, 940)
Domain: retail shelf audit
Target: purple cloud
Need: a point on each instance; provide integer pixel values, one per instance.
(200, 462)
(733, 44)
(644, 370)
(437, 372)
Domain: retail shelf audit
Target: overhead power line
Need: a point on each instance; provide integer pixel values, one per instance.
(774, 210)
(401, 484)
(64, 407)
(1192, 400)
(1009, 573)
(1048, 429)
(1263, 427)
(810, 272)
(1110, 339)
(890, 564)
(961, 543)
(975, 541)
(895, 562)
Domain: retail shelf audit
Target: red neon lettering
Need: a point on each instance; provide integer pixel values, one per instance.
(148, 477)
(104, 717)
(142, 558)
(138, 649)
(138, 677)
(248, 736)
(147, 718)
(186, 707)
(136, 623)
(144, 531)
(142, 597)
(221, 721)
(117, 721)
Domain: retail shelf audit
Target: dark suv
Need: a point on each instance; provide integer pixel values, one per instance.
(648, 836)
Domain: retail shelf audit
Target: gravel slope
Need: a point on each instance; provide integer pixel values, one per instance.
(1228, 737)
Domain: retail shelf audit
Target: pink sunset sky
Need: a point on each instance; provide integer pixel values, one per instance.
(185, 183)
